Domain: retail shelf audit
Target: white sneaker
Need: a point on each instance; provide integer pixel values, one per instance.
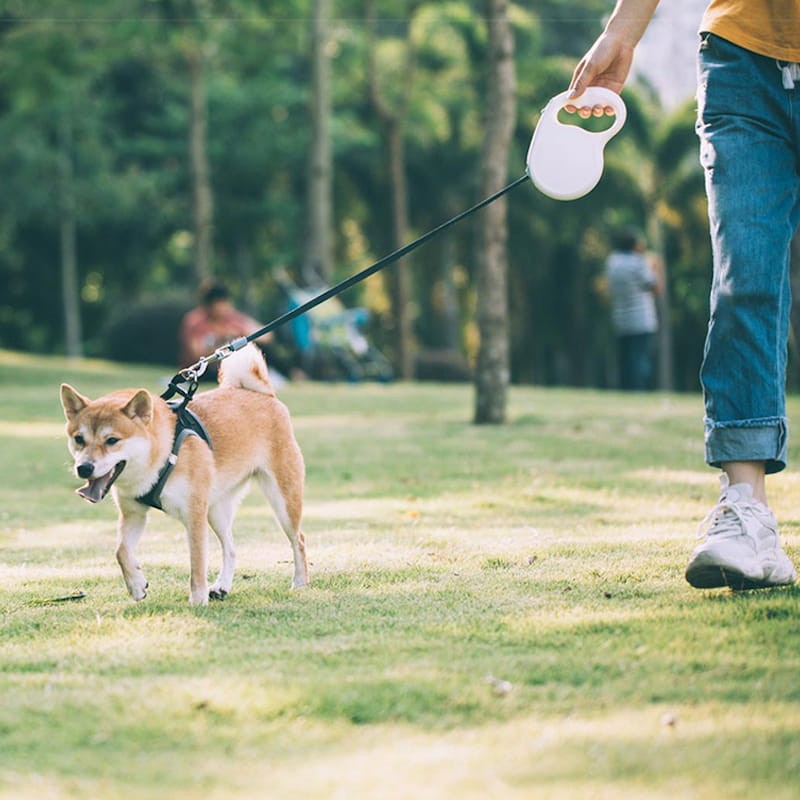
(741, 547)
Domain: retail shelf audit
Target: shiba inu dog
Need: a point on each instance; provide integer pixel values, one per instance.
(133, 444)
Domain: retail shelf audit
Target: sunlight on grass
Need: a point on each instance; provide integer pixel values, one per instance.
(112, 643)
(678, 477)
(65, 534)
(538, 757)
(32, 430)
(631, 755)
(446, 559)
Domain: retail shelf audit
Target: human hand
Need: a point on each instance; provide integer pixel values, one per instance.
(607, 64)
(609, 59)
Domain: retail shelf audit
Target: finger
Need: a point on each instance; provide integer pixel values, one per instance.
(590, 111)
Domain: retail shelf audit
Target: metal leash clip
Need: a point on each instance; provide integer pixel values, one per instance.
(192, 374)
(196, 371)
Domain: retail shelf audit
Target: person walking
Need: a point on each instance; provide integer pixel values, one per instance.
(749, 128)
(632, 280)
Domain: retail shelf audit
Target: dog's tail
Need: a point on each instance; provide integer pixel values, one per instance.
(246, 369)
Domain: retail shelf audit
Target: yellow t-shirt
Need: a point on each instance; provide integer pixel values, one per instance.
(768, 27)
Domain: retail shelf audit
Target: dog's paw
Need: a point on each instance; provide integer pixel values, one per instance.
(138, 588)
(139, 596)
(219, 590)
(198, 598)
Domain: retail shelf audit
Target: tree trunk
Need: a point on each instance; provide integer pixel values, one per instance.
(666, 372)
(244, 269)
(70, 285)
(451, 338)
(202, 198)
(492, 371)
(319, 254)
(400, 277)
(392, 117)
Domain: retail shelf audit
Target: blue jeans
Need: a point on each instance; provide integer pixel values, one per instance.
(749, 129)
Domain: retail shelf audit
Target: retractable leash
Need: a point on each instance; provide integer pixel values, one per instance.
(564, 162)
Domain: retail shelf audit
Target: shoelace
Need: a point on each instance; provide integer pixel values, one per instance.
(790, 73)
(725, 519)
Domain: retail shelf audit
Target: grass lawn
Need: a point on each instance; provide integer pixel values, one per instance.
(548, 553)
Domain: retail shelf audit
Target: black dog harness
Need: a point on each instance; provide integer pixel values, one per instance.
(187, 424)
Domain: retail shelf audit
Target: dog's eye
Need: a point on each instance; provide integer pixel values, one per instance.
(80, 441)
(112, 440)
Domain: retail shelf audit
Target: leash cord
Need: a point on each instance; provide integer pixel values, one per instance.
(192, 374)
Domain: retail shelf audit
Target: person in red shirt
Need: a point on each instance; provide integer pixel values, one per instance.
(213, 323)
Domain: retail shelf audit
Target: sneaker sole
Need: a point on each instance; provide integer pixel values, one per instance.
(712, 576)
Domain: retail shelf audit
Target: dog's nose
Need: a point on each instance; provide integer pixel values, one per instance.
(85, 470)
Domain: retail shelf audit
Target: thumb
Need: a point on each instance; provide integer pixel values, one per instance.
(581, 79)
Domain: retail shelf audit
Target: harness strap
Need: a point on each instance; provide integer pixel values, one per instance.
(187, 424)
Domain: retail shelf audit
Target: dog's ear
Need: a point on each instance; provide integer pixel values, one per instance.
(73, 402)
(140, 406)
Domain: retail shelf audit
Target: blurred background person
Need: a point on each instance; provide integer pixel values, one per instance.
(213, 323)
(632, 279)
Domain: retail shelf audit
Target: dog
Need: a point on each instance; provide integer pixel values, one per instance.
(133, 444)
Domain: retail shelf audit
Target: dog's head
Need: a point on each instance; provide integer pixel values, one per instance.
(104, 435)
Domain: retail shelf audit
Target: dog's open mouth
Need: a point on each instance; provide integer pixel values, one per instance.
(97, 488)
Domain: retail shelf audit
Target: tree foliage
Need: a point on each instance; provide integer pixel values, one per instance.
(116, 76)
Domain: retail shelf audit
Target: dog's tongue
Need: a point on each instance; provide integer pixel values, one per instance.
(97, 488)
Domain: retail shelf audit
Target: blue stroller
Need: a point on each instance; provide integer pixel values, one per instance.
(330, 341)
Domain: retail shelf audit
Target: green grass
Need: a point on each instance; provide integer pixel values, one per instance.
(547, 552)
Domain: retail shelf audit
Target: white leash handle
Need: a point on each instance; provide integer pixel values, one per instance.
(565, 161)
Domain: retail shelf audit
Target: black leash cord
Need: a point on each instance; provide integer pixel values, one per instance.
(378, 265)
(191, 374)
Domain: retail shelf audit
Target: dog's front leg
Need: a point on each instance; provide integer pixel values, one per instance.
(131, 526)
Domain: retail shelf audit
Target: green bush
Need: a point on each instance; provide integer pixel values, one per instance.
(147, 332)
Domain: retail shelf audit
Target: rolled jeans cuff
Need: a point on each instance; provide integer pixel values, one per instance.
(748, 440)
